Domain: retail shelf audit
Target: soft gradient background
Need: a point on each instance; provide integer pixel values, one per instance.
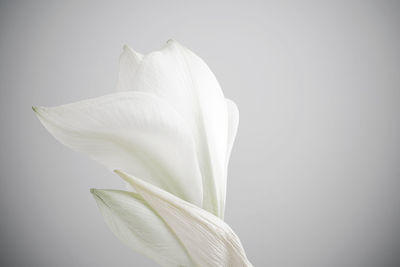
(315, 173)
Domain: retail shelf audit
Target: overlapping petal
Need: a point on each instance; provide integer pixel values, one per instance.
(171, 126)
(180, 77)
(208, 239)
(135, 223)
(134, 131)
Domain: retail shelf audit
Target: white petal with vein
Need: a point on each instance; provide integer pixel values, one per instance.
(183, 79)
(133, 221)
(208, 239)
(137, 132)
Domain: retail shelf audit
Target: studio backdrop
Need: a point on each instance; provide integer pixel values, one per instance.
(314, 175)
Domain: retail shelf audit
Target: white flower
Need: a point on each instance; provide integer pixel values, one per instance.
(168, 133)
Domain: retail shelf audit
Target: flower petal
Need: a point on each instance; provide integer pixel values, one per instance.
(183, 79)
(208, 239)
(134, 131)
(134, 222)
(233, 123)
(129, 62)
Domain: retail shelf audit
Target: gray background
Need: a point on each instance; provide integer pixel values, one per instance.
(314, 175)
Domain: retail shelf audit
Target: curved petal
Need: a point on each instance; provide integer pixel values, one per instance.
(129, 62)
(233, 123)
(134, 222)
(134, 131)
(183, 79)
(208, 239)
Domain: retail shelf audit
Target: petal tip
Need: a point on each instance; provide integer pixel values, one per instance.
(39, 111)
(123, 175)
(127, 50)
(172, 42)
(97, 193)
(125, 47)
